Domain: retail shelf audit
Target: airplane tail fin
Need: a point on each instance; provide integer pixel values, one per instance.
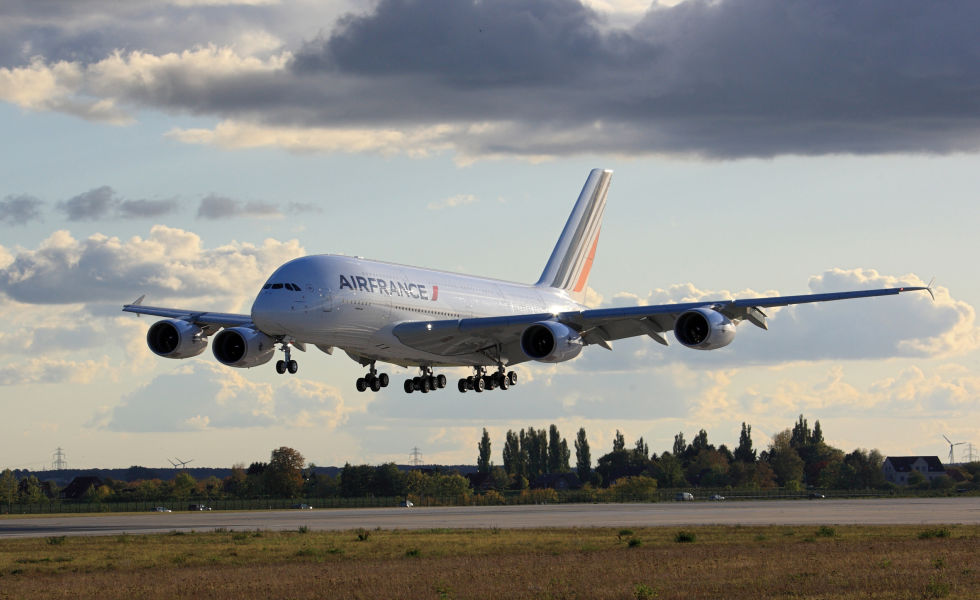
(571, 260)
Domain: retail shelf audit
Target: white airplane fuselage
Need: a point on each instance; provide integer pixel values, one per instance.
(353, 304)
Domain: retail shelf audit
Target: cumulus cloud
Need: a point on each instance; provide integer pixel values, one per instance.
(20, 210)
(102, 202)
(168, 263)
(203, 395)
(730, 78)
(52, 370)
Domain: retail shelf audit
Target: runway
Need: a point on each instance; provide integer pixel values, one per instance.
(911, 511)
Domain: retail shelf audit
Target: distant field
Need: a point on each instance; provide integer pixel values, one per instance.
(692, 562)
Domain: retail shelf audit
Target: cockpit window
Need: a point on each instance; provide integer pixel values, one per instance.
(277, 286)
(266, 286)
(292, 286)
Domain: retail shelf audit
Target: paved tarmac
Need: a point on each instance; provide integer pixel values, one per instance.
(912, 511)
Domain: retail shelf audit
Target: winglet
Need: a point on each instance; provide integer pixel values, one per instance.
(929, 288)
(138, 301)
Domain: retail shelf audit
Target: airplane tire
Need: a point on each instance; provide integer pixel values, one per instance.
(360, 384)
(280, 367)
(488, 382)
(424, 385)
(441, 381)
(433, 383)
(375, 384)
(409, 386)
(512, 376)
(462, 386)
(503, 383)
(292, 366)
(383, 378)
(478, 384)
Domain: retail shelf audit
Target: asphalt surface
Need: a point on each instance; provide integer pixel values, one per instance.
(934, 511)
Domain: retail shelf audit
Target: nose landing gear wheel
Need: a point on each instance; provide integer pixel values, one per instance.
(292, 367)
(280, 367)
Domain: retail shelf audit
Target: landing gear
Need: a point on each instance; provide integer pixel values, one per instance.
(480, 381)
(373, 381)
(426, 382)
(286, 365)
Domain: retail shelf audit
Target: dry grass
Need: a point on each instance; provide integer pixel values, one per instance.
(721, 562)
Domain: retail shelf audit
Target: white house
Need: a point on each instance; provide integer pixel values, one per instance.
(898, 468)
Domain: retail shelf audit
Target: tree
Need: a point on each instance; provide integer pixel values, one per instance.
(29, 490)
(514, 463)
(700, 442)
(641, 449)
(785, 462)
(8, 487)
(680, 446)
(355, 481)
(284, 475)
(619, 442)
(744, 452)
(669, 472)
(556, 461)
(183, 484)
(583, 458)
(387, 481)
(483, 461)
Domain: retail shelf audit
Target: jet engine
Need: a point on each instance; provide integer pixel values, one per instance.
(176, 339)
(550, 341)
(704, 329)
(243, 347)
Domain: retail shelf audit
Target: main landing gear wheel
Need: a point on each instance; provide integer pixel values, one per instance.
(481, 381)
(373, 381)
(426, 382)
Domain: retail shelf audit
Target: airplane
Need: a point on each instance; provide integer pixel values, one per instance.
(413, 317)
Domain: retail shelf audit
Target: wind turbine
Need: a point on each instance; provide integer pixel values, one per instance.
(951, 444)
(177, 461)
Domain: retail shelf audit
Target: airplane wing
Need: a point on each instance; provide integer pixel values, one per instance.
(214, 320)
(597, 326)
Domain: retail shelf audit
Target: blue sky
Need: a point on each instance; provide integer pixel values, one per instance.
(185, 149)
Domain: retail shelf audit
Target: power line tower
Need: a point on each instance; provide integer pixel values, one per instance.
(415, 458)
(59, 464)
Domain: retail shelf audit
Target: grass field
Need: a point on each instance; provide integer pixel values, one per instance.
(693, 562)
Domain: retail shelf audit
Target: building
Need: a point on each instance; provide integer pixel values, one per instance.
(898, 468)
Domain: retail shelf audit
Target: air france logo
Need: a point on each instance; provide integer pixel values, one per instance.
(389, 287)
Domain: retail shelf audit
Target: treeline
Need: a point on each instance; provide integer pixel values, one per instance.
(535, 462)
(795, 459)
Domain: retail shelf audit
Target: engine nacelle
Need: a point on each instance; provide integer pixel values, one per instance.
(176, 339)
(551, 342)
(704, 329)
(243, 347)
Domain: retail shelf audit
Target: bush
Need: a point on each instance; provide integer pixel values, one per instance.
(684, 537)
(826, 531)
(635, 542)
(363, 535)
(934, 533)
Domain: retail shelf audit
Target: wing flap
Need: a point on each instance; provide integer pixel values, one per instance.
(197, 317)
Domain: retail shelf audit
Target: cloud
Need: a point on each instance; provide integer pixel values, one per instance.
(53, 370)
(102, 202)
(203, 395)
(452, 202)
(528, 78)
(222, 207)
(20, 210)
(168, 263)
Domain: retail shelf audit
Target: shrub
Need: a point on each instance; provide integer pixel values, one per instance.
(641, 591)
(635, 542)
(826, 531)
(934, 533)
(56, 541)
(363, 535)
(303, 529)
(684, 537)
(413, 552)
